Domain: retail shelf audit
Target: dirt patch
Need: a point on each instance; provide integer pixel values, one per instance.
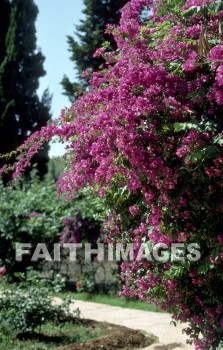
(116, 338)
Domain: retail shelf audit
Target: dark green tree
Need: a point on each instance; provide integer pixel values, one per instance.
(4, 23)
(21, 65)
(89, 36)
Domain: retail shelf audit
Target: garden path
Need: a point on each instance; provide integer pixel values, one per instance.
(170, 337)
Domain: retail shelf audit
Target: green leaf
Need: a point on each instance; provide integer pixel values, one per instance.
(218, 140)
(215, 7)
(186, 126)
(174, 271)
(199, 93)
(191, 11)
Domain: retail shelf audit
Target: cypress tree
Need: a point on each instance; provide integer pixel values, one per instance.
(90, 34)
(21, 110)
(4, 23)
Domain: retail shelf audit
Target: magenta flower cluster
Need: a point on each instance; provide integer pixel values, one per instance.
(77, 229)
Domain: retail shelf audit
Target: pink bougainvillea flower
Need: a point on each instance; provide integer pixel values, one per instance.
(2, 270)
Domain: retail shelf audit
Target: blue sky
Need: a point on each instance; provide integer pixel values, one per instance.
(56, 20)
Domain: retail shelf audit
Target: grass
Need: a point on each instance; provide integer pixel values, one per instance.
(110, 299)
(113, 300)
(52, 336)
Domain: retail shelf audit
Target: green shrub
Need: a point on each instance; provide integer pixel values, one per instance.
(86, 283)
(33, 213)
(29, 305)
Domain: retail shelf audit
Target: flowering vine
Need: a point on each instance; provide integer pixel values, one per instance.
(147, 137)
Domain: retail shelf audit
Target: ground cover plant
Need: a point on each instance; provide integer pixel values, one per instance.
(147, 137)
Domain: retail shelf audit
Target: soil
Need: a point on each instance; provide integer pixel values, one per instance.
(116, 338)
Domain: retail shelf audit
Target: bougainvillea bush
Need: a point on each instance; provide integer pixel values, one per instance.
(147, 137)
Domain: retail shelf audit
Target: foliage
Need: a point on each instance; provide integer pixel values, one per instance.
(33, 213)
(90, 34)
(56, 167)
(21, 66)
(30, 213)
(86, 283)
(147, 137)
(4, 23)
(29, 305)
(78, 229)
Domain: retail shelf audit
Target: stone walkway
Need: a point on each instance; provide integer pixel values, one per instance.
(170, 337)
